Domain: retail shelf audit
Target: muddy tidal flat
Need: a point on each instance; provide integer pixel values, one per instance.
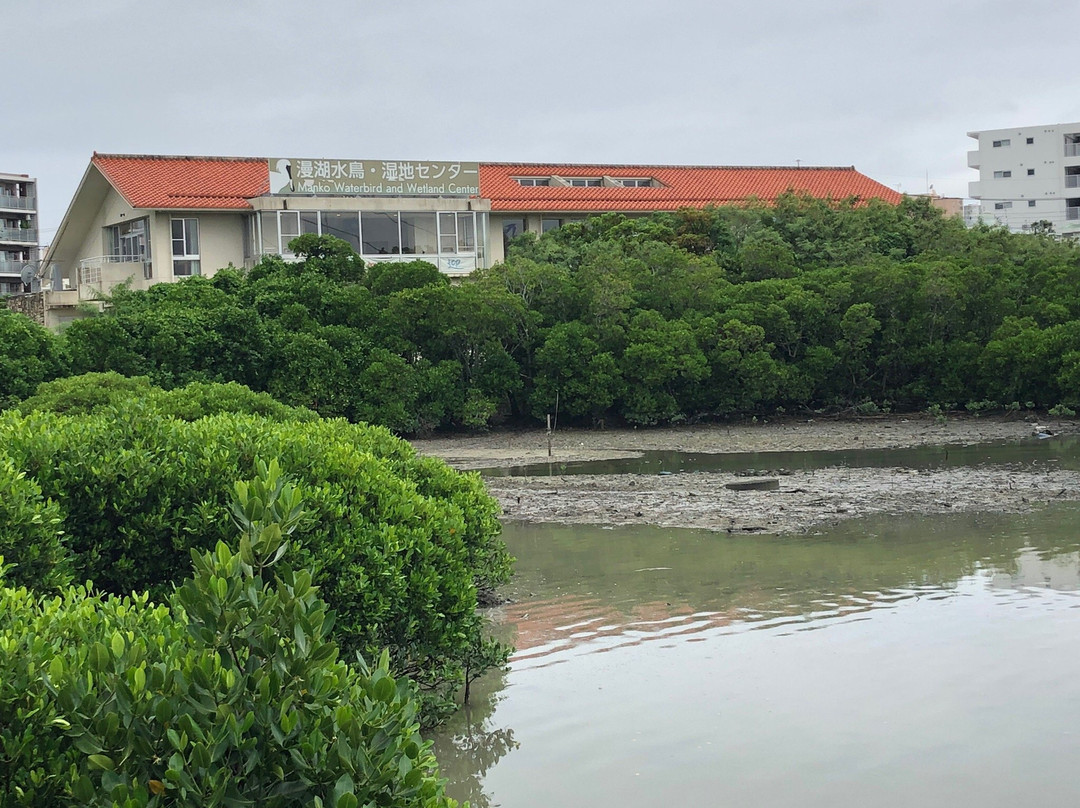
(803, 499)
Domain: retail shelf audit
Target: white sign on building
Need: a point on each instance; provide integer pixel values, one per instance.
(294, 175)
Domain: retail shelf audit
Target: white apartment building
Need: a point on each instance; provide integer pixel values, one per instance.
(1028, 175)
(18, 231)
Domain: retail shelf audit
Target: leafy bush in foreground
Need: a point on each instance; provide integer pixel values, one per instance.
(29, 355)
(90, 392)
(233, 695)
(398, 544)
(30, 535)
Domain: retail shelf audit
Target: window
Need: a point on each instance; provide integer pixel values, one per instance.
(1031, 203)
(1001, 175)
(127, 242)
(418, 235)
(289, 223)
(1030, 140)
(999, 143)
(549, 224)
(380, 231)
(585, 182)
(268, 233)
(249, 239)
(466, 228)
(530, 182)
(1031, 172)
(309, 222)
(1002, 205)
(635, 182)
(512, 228)
(342, 225)
(457, 233)
(185, 247)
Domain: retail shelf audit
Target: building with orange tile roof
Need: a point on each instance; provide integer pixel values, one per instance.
(145, 219)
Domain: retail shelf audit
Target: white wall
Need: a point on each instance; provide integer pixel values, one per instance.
(1045, 155)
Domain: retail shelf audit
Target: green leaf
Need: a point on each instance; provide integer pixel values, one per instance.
(83, 789)
(343, 788)
(101, 762)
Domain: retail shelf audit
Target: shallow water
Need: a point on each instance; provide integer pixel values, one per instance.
(884, 662)
(1056, 452)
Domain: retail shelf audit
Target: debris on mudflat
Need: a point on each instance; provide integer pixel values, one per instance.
(756, 484)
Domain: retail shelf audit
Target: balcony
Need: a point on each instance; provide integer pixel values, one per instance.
(14, 267)
(23, 235)
(1072, 149)
(1072, 180)
(1072, 214)
(18, 202)
(97, 277)
(973, 158)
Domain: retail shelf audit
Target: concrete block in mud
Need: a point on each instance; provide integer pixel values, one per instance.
(755, 484)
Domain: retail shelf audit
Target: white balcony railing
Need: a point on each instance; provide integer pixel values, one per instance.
(1072, 149)
(18, 202)
(1072, 214)
(98, 276)
(1072, 180)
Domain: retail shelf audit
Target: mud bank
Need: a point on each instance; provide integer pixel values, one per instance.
(568, 445)
(804, 500)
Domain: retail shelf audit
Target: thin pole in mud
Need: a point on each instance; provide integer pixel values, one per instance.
(549, 433)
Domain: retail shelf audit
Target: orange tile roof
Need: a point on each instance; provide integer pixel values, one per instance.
(683, 186)
(148, 181)
(185, 182)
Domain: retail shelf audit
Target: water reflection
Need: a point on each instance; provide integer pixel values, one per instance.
(638, 645)
(1058, 452)
(472, 737)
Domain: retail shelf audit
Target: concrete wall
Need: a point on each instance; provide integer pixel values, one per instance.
(113, 210)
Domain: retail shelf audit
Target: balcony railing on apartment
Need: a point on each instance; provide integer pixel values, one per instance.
(18, 202)
(1072, 214)
(14, 267)
(1072, 149)
(1072, 180)
(24, 235)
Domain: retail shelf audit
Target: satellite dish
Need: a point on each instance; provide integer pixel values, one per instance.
(28, 273)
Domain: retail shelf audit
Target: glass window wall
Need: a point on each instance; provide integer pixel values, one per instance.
(380, 233)
(377, 235)
(345, 226)
(418, 234)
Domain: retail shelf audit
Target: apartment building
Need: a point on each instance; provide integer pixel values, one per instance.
(18, 232)
(1027, 175)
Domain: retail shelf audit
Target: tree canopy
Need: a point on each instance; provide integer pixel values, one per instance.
(803, 304)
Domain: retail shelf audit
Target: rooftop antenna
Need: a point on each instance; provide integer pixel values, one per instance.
(798, 163)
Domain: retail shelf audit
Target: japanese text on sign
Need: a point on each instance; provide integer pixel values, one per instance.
(373, 177)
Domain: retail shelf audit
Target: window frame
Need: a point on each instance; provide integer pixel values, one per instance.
(188, 225)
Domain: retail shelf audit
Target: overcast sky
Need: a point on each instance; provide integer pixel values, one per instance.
(889, 87)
